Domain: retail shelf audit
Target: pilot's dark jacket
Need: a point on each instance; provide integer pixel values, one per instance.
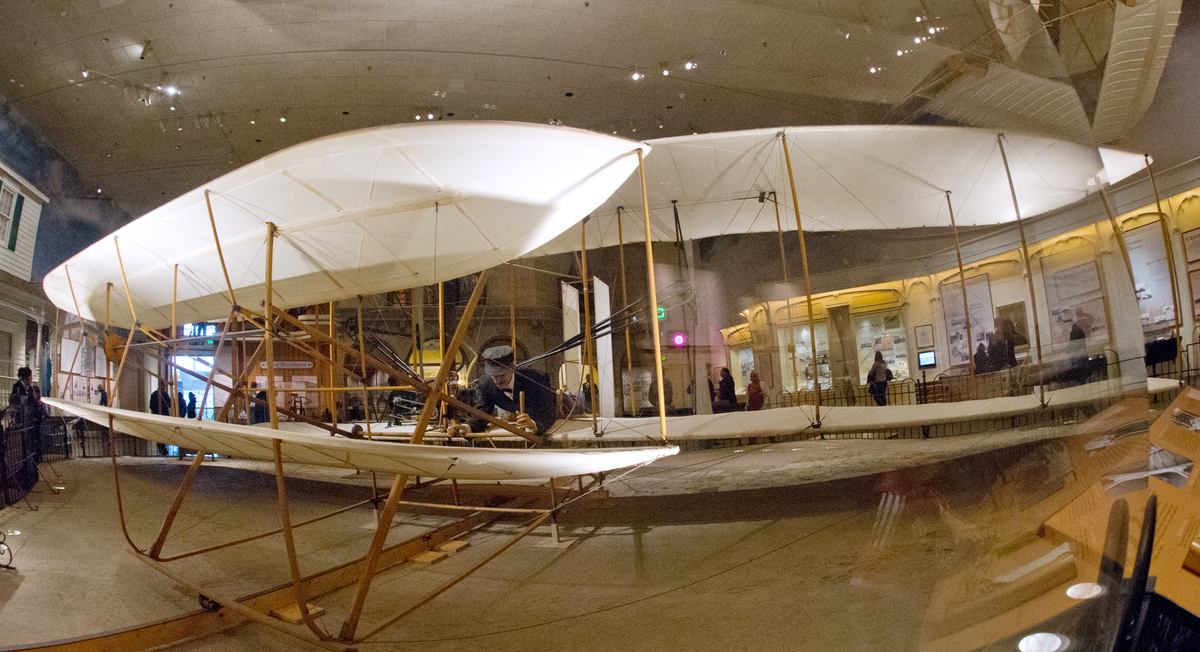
(539, 399)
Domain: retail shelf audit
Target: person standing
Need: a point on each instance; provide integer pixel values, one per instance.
(191, 405)
(160, 403)
(726, 394)
(754, 393)
(877, 379)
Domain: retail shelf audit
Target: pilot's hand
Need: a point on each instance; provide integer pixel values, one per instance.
(525, 422)
(457, 430)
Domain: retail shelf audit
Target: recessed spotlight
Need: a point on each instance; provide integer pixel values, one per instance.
(918, 19)
(1042, 642)
(171, 90)
(1085, 590)
(689, 65)
(917, 40)
(899, 52)
(429, 116)
(283, 119)
(636, 76)
(666, 72)
(84, 73)
(418, 116)
(873, 69)
(932, 30)
(172, 108)
(98, 190)
(251, 121)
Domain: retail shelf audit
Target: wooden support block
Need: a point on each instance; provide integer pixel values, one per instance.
(427, 557)
(291, 613)
(451, 546)
(1192, 560)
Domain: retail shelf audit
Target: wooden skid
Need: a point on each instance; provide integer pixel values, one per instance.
(199, 624)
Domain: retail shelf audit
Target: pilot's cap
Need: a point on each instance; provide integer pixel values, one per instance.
(497, 360)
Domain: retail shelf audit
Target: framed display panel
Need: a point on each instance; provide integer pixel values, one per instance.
(924, 335)
(1073, 289)
(1151, 276)
(979, 302)
(883, 332)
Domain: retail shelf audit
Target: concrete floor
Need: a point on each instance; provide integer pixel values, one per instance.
(760, 547)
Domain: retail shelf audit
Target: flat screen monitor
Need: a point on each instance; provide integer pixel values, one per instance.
(926, 359)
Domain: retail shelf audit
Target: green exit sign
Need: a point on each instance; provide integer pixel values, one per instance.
(662, 312)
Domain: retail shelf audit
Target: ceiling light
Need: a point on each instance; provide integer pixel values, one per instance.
(899, 52)
(171, 90)
(636, 76)
(1085, 590)
(282, 119)
(251, 121)
(172, 108)
(418, 117)
(917, 40)
(666, 72)
(689, 66)
(1042, 642)
(932, 30)
(84, 73)
(918, 19)
(98, 191)
(429, 116)
(873, 69)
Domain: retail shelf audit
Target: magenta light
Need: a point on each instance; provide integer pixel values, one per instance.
(679, 339)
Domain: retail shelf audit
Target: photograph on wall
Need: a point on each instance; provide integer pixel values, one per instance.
(1151, 276)
(979, 302)
(1014, 316)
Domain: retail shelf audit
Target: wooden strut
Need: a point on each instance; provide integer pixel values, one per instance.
(400, 480)
(175, 407)
(276, 447)
(82, 336)
(217, 241)
(625, 302)
(362, 346)
(333, 409)
(812, 325)
(184, 487)
(1037, 332)
(962, 277)
(654, 334)
(587, 326)
(442, 341)
(788, 303)
(1162, 220)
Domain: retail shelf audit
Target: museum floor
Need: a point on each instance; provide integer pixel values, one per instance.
(780, 546)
